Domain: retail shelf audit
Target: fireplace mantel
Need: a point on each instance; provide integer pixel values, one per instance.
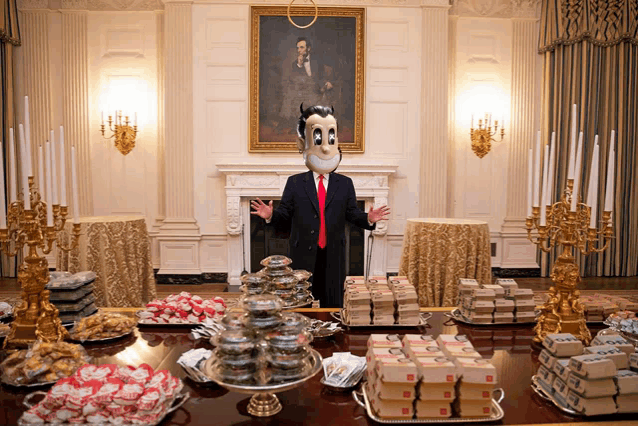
(267, 180)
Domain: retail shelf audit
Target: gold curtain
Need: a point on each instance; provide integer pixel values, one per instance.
(590, 53)
(9, 39)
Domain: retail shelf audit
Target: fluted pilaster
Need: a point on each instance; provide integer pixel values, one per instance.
(161, 169)
(434, 141)
(179, 116)
(34, 27)
(76, 97)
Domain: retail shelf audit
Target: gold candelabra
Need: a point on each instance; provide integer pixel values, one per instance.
(36, 318)
(483, 136)
(122, 131)
(563, 312)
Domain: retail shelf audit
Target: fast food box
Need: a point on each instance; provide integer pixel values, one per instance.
(547, 359)
(504, 305)
(523, 294)
(356, 318)
(359, 309)
(355, 280)
(627, 305)
(455, 346)
(627, 403)
(503, 317)
(591, 406)
(592, 367)
(616, 341)
(473, 408)
(563, 345)
(388, 408)
(424, 351)
(375, 354)
(561, 390)
(593, 308)
(561, 369)
(612, 352)
(545, 378)
(384, 341)
(626, 382)
(405, 297)
(476, 370)
(482, 306)
(591, 388)
(379, 297)
(525, 305)
(383, 319)
(396, 370)
(437, 370)
(403, 309)
(408, 320)
(483, 295)
(378, 279)
(479, 318)
(498, 290)
(419, 340)
(467, 285)
(525, 316)
(402, 287)
(598, 318)
(383, 310)
(633, 362)
(481, 391)
(432, 409)
(508, 285)
(394, 390)
(436, 392)
(398, 279)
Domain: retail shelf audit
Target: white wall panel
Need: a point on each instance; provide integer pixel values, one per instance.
(225, 126)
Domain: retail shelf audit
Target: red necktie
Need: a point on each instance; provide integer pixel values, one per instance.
(321, 194)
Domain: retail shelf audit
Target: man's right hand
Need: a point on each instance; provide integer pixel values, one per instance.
(300, 60)
(262, 210)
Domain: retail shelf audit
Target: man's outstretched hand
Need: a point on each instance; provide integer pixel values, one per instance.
(262, 210)
(379, 214)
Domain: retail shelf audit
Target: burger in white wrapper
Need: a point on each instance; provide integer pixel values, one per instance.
(151, 398)
(129, 394)
(108, 390)
(142, 374)
(99, 418)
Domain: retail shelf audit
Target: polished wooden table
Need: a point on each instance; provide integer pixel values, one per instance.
(312, 404)
(436, 252)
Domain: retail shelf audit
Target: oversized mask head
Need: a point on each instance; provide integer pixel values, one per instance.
(317, 132)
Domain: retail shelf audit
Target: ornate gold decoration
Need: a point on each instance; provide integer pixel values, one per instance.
(357, 144)
(563, 312)
(302, 26)
(36, 318)
(123, 132)
(483, 136)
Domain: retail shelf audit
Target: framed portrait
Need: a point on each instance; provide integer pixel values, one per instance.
(319, 65)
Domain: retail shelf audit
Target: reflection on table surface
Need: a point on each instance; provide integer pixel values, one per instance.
(312, 404)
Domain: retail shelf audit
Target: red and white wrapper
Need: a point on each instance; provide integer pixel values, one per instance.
(81, 396)
(171, 298)
(151, 398)
(128, 394)
(185, 306)
(175, 320)
(90, 408)
(219, 307)
(209, 312)
(146, 315)
(59, 393)
(181, 313)
(108, 390)
(124, 373)
(31, 417)
(85, 373)
(165, 317)
(104, 372)
(220, 301)
(168, 311)
(100, 418)
(196, 299)
(197, 310)
(119, 410)
(64, 414)
(143, 419)
(41, 410)
(142, 374)
(160, 380)
(192, 318)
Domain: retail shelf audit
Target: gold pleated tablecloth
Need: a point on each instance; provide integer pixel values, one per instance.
(118, 250)
(437, 252)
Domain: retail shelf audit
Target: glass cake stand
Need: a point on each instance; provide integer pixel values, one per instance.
(264, 402)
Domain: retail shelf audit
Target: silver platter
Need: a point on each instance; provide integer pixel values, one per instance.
(456, 315)
(175, 404)
(339, 388)
(423, 320)
(631, 337)
(497, 412)
(103, 339)
(316, 366)
(153, 324)
(28, 385)
(549, 397)
(299, 305)
(323, 333)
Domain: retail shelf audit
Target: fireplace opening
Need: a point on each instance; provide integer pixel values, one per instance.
(264, 242)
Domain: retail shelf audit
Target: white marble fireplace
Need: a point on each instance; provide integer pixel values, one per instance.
(266, 181)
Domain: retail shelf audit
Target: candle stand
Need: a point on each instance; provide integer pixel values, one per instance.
(36, 318)
(563, 312)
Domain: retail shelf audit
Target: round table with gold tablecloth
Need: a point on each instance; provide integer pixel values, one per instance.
(118, 250)
(438, 251)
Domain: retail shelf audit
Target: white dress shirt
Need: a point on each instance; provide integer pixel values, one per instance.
(306, 65)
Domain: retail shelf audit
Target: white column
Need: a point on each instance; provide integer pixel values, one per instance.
(179, 234)
(434, 132)
(76, 100)
(34, 29)
(517, 251)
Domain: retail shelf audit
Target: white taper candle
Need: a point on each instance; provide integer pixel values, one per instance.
(62, 169)
(572, 146)
(537, 170)
(609, 196)
(577, 172)
(530, 183)
(25, 172)
(47, 161)
(13, 173)
(592, 195)
(3, 206)
(27, 125)
(41, 186)
(74, 183)
(550, 175)
(544, 203)
(54, 171)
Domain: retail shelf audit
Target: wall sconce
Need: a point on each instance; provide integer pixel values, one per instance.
(483, 136)
(122, 130)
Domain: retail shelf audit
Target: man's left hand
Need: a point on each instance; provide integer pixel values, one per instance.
(328, 85)
(381, 213)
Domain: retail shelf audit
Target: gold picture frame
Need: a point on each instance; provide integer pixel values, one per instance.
(336, 56)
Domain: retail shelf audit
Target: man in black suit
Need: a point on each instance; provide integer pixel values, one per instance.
(315, 206)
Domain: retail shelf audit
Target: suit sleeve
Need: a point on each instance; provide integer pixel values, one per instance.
(282, 215)
(354, 214)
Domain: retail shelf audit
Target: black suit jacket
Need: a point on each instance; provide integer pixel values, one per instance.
(298, 213)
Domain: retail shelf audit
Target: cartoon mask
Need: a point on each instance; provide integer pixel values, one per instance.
(319, 144)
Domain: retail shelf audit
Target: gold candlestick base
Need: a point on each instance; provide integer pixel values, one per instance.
(563, 312)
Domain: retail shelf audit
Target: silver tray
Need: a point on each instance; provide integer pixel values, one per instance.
(203, 380)
(28, 385)
(339, 388)
(497, 412)
(299, 305)
(154, 325)
(456, 315)
(175, 404)
(631, 337)
(549, 397)
(323, 333)
(423, 320)
(103, 339)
